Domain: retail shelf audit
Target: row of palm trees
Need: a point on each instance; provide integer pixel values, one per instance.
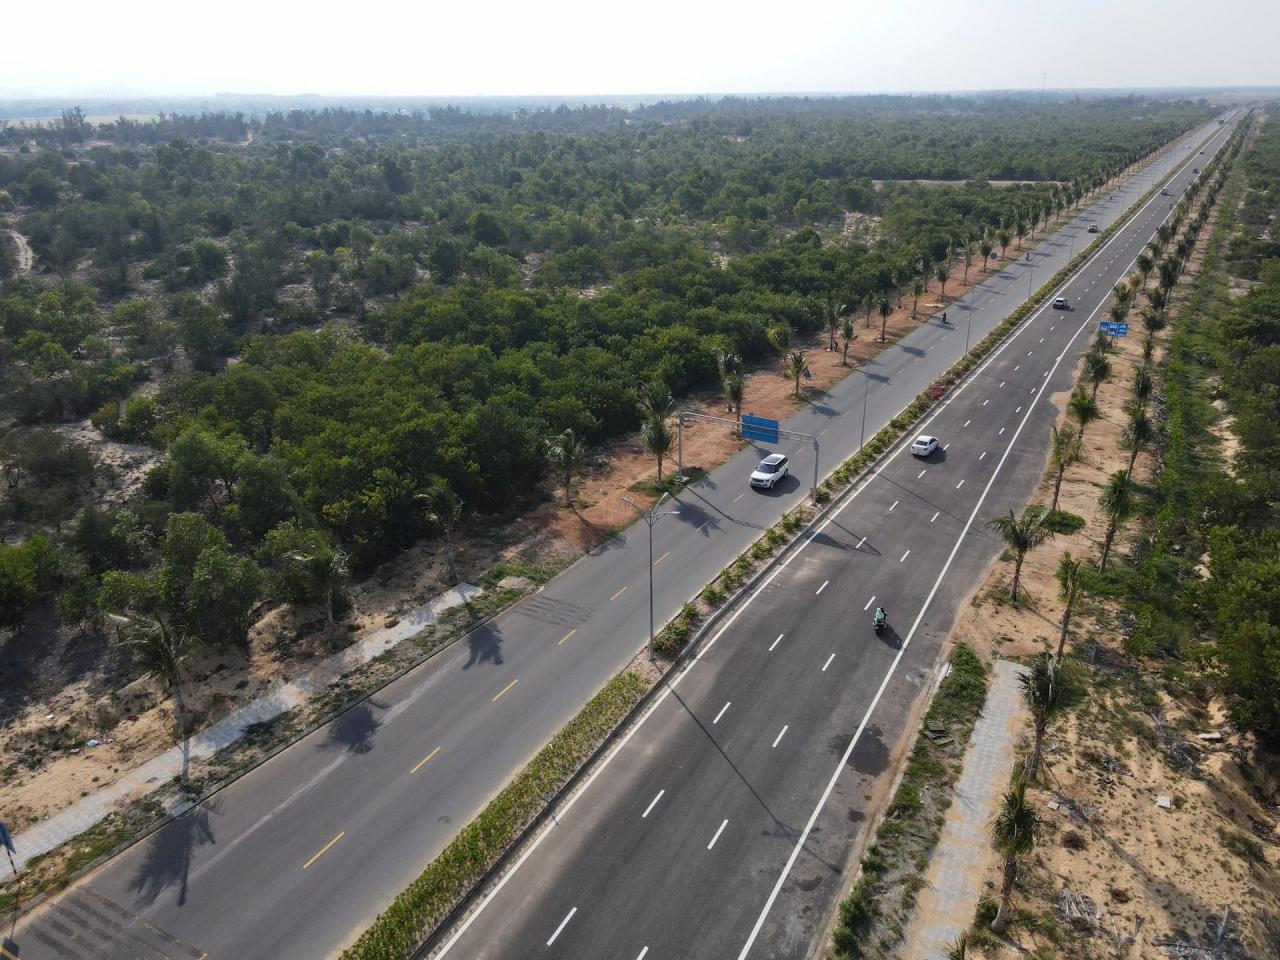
(1047, 688)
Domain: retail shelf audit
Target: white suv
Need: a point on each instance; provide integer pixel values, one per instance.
(771, 469)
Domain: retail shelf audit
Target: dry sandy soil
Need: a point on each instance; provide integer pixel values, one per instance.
(1148, 874)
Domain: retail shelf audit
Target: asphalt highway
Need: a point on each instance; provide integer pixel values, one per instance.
(723, 801)
(295, 858)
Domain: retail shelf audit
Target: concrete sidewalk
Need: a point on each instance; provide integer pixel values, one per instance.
(964, 859)
(281, 698)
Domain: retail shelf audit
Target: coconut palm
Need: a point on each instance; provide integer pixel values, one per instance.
(832, 310)
(968, 261)
(1138, 432)
(654, 400)
(1097, 368)
(1064, 450)
(1142, 386)
(656, 435)
(733, 386)
(779, 336)
(1070, 574)
(1021, 535)
(330, 573)
(1013, 829)
(1005, 238)
(1159, 299)
(442, 509)
(1117, 503)
(1044, 694)
(1020, 229)
(848, 335)
(885, 310)
(1145, 264)
(161, 654)
(1153, 321)
(1085, 409)
(568, 454)
(941, 277)
(797, 365)
(959, 949)
(869, 301)
(985, 247)
(917, 290)
(728, 362)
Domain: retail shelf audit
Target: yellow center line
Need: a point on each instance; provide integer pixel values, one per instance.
(661, 558)
(567, 635)
(618, 594)
(505, 689)
(323, 850)
(425, 759)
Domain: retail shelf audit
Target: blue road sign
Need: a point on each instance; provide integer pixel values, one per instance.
(761, 429)
(6, 839)
(1112, 329)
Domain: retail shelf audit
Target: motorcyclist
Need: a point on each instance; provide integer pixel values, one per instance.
(944, 316)
(881, 618)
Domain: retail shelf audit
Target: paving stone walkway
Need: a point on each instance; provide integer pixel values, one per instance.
(964, 859)
(281, 698)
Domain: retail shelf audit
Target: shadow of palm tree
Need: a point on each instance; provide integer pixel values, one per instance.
(355, 729)
(169, 854)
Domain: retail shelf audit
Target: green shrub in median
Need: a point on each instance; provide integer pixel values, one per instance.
(415, 913)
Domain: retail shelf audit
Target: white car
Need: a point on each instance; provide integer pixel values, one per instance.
(1060, 303)
(771, 469)
(923, 445)
(1093, 228)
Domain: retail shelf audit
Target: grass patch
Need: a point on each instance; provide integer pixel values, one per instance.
(1060, 521)
(872, 919)
(654, 487)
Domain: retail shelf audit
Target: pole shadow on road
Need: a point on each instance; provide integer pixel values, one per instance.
(168, 855)
(355, 729)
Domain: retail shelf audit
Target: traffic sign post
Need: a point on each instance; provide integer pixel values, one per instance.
(1113, 329)
(760, 429)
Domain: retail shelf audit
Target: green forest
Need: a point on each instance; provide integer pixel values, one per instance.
(345, 330)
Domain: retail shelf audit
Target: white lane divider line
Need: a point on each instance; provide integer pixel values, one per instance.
(935, 516)
(563, 924)
(895, 503)
(967, 422)
(1042, 339)
(860, 543)
(960, 484)
(904, 556)
(778, 739)
(642, 953)
(921, 474)
(1002, 382)
(1001, 431)
(985, 402)
(1015, 370)
(946, 447)
(1028, 353)
(652, 803)
(1019, 410)
(823, 587)
(870, 602)
(717, 836)
(776, 642)
(739, 496)
(980, 456)
(824, 670)
(721, 713)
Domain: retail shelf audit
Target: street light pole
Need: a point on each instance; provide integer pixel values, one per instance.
(866, 391)
(651, 516)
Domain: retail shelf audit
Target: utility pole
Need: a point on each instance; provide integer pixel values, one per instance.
(650, 517)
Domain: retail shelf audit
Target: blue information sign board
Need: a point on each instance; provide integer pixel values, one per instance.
(761, 429)
(1112, 329)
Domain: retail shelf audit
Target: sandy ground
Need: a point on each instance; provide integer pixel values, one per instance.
(26, 259)
(1147, 874)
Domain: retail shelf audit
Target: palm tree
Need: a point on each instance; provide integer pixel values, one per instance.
(160, 654)
(442, 509)
(869, 301)
(1142, 386)
(1044, 694)
(917, 289)
(329, 572)
(779, 336)
(1159, 299)
(1097, 368)
(797, 365)
(959, 949)
(1021, 535)
(1145, 265)
(654, 400)
(1064, 450)
(568, 454)
(1138, 432)
(1021, 230)
(1004, 239)
(985, 248)
(728, 362)
(848, 335)
(941, 276)
(1070, 574)
(884, 316)
(832, 311)
(968, 261)
(1117, 503)
(1085, 409)
(1014, 831)
(656, 435)
(734, 387)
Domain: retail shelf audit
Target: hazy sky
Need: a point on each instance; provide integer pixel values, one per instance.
(482, 47)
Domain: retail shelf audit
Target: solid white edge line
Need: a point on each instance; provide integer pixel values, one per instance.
(568, 917)
(649, 808)
(831, 783)
(556, 820)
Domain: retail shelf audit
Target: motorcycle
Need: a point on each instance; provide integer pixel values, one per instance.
(878, 624)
